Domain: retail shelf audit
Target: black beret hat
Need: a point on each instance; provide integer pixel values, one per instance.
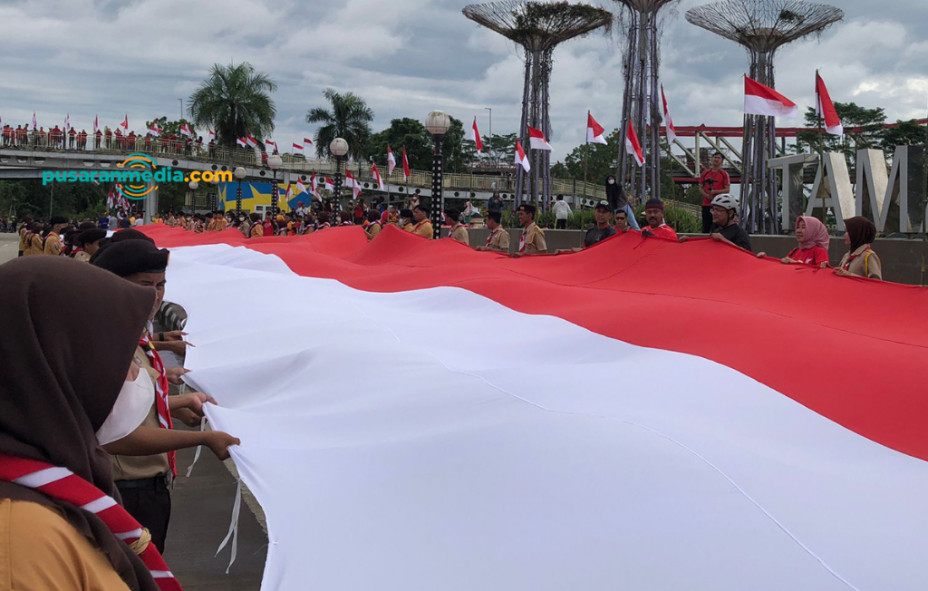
(132, 256)
(528, 208)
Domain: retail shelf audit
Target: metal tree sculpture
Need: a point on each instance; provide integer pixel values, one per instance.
(640, 101)
(538, 27)
(762, 27)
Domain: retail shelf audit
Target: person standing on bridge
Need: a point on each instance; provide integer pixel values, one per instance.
(712, 182)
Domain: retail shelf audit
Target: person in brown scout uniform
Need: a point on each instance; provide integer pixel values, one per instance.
(423, 225)
(23, 230)
(87, 243)
(458, 231)
(374, 226)
(533, 237)
(218, 223)
(257, 228)
(53, 239)
(498, 239)
(404, 220)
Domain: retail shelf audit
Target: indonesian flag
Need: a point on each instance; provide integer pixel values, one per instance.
(537, 140)
(376, 174)
(110, 201)
(632, 146)
(391, 160)
(34, 122)
(763, 100)
(595, 134)
(96, 123)
(307, 141)
(271, 143)
(668, 120)
(329, 185)
(153, 129)
(298, 147)
(186, 130)
(475, 136)
(300, 186)
(352, 182)
(712, 469)
(250, 139)
(521, 158)
(125, 123)
(313, 188)
(406, 173)
(289, 194)
(212, 134)
(826, 109)
(67, 122)
(242, 142)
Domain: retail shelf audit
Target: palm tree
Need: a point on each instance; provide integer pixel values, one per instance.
(234, 101)
(349, 118)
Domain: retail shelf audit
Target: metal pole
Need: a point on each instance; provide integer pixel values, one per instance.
(238, 200)
(437, 197)
(520, 172)
(275, 196)
(337, 190)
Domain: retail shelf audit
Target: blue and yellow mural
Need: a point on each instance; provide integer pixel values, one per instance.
(259, 194)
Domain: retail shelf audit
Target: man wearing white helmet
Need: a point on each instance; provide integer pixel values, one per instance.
(724, 211)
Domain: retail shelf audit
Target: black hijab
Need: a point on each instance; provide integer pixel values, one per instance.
(860, 230)
(62, 369)
(615, 193)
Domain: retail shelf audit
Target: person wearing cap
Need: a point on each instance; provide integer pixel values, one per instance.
(725, 228)
(561, 213)
(532, 240)
(458, 231)
(498, 239)
(143, 466)
(87, 244)
(603, 229)
(654, 213)
(52, 239)
(423, 226)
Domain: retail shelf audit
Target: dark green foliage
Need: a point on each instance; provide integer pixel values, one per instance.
(234, 101)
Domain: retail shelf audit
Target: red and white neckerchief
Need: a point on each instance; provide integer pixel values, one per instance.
(161, 391)
(522, 238)
(64, 485)
(493, 233)
(416, 227)
(453, 228)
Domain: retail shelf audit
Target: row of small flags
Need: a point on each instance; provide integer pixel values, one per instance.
(758, 100)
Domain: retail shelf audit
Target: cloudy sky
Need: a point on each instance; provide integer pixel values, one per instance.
(408, 57)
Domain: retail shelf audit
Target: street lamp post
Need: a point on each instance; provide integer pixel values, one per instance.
(437, 124)
(239, 176)
(274, 161)
(193, 194)
(490, 135)
(338, 148)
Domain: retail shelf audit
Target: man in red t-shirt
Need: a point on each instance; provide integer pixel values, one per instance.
(654, 213)
(712, 182)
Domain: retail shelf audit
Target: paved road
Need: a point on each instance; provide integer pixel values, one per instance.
(9, 247)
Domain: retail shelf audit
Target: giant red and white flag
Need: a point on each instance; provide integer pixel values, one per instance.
(763, 100)
(391, 160)
(475, 136)
(632, 145)
(669, 129)
(595, 133)
(406, 171)
(537, 140)
(711, 467)
(825, 108)
(376, 174)
(522, 158)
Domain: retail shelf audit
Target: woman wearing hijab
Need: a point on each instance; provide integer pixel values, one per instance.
(813, 239)
(61, 376)
(860, 260)
(619, 201)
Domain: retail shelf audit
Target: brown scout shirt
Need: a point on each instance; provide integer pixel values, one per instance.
(459, 233)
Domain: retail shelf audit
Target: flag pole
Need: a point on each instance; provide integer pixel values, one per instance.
(586, 152)
(821, 142)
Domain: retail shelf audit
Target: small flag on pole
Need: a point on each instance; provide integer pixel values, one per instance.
(595, 134)
(125, 123)
(67, 122)
(242, 142)
(34, 122)
(763, 100)
(668, 120)
(537, 140)
(406, 173)
(307, 141)
(632, 146)
(521, 158)
(298, 147)
(96, 123)
(212, 134)
(153, 129)
(186, 130)
(376, 174)
(475, 136)
(825, 108)
(391, 160)
(352, 182)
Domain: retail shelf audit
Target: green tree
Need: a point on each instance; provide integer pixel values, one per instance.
(349, 118)
(496, 149)
(234, 101)
(906, 133)
(600, 162)
(411, 134)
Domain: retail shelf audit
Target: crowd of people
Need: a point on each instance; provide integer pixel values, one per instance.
(57, 138)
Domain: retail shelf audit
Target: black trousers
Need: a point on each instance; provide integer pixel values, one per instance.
(149, 501)
(706, 219)
(560, 225)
